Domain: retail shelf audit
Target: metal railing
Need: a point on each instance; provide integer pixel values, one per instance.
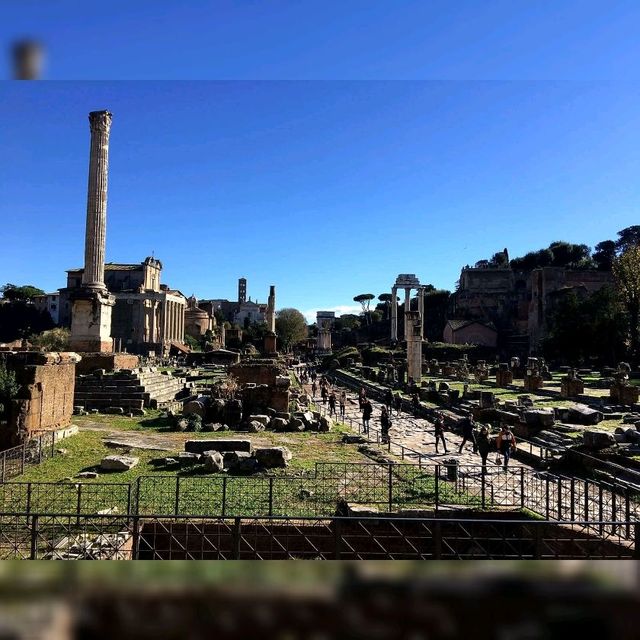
(65, 536)
(14, 461)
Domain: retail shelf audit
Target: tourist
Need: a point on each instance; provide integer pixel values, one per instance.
(332, 404)
(438, 427)
(324, 393)
(367, 410)
(343, 404)
(398, 403)
(362, 396)
(415, 400)
(314, 388)
(385, 425)
(468, 433)
(484, 446)
(506, 443)
(388, 399)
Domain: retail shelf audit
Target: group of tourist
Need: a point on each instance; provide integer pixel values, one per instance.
(504, 443)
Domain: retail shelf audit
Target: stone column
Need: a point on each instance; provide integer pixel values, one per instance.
(95, 235)
(414, 346)
(407, 308)
(92, 303)
(394, 314)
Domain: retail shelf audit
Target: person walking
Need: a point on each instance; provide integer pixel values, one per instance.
(362, 396)
(398, 403)
(343, 404)
(415, 401)
(438, 428)
(324, 393)
(367, 410)
(468, 433)
(385, 425)
(332, 405)
(314, 388)
(484, 446)
(506, 442)
(388, 400)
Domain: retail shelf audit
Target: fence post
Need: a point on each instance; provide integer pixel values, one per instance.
(137, 496)
(483, 486)
(236, 538)
(559, 498)
(437, 487)
(24, 454)
(573, 499)
(129, 499)
(337, 538)
(224, 496)
(176, 508)
(270, 496)
(522, 501)
(613, 511)
(600, 508)
(586, 500)
(34, 538)
(28, 500)
(390, 483)
(79, 504)
(135, 538)
(437, 540)
(547, 496)
(627, 511)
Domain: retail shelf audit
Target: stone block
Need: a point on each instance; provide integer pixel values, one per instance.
(271, 457)
(213, 461)
(279, 424)
(264, 419)
(202, 445)
(597, 439)
(539, 417)
(255, 426)
(118, 463)
(187, 458)
(230, 458)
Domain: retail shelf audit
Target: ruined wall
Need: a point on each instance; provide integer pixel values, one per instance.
(45, 398)
(108, 361)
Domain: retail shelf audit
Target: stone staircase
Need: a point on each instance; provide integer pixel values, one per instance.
(131, 390)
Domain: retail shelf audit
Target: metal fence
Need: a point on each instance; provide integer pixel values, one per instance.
(14, 461)
(66, 536)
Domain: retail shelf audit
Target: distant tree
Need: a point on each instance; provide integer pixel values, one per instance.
(626, 270)
(20, 319)
(436, 306)
(533, 260)
(347, 321)
(628, 237)
(386, 299)
(52, 340)
(24, 292)
(365, 301)
(573, 256)
(604, 254)
(291, 327)
(8, 389)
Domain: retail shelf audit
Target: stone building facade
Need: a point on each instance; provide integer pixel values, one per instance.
(147, 316)
(49, 302)
(518, 303)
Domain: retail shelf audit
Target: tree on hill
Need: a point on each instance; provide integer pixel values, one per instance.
(291, 327)
(604, 254)
(365, 301)
(626, 271)
(24, 292)
(628, 237)
(386, 298)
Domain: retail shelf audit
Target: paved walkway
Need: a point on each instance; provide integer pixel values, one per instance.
(558, 498)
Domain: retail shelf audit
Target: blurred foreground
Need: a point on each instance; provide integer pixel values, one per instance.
(505, 601)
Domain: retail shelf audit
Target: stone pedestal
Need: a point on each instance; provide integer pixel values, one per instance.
(571, 387)
(624, 393)
(270, 343)
(533, 382)
(504, 378)
(324, 341)
(91, 321)
(414, 346)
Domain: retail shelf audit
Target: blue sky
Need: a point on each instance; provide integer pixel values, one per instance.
(331, 39)
(325, 189)
(418, 137)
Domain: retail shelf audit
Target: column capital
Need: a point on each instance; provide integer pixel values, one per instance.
(100, 121)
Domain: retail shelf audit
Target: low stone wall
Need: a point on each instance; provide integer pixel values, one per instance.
(108, 361)
(45, 397)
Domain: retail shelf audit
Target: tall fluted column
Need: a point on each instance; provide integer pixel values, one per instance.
(94, 247)
(407, 308)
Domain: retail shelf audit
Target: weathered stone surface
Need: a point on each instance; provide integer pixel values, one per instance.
(213, 461)
(597, 439)
(186, 458)
(279, 424)
(118, 463)
(270, 457)
(296, 425)
(539, 417)
(580, 414)
(255, 427)
(263, 419)
(230, 458)
(348, 439)
(87, 474)
(218, 444)
(325, 424)
(245, 466)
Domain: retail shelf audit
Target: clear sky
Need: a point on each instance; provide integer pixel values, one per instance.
(331, 39)
(516, 124)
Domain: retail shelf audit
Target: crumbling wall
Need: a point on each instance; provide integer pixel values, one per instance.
(108, 361)
(45, 397)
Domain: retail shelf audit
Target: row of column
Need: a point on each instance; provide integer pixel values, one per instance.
(174, 321)
(407, 307)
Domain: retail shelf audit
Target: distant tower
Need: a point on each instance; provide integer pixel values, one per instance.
(242, 290)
